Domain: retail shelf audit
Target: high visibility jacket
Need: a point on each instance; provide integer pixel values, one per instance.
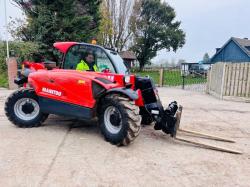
(83, 66)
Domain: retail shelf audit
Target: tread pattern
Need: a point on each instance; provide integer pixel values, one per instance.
(9, 109)
(132, 119)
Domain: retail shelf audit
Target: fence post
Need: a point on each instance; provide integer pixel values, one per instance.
(208, 81)
(183, 81)
(248, 81)
(211, 71)
(161, 77)
(223, 81)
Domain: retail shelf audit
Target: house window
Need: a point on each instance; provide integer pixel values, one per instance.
(248, 48)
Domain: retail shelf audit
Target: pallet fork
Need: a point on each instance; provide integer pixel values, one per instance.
(201, 135)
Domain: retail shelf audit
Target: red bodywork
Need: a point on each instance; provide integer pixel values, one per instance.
(33, 66)
(73, 86)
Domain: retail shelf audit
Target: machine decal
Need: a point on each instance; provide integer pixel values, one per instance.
(81, 82)
(50, 91)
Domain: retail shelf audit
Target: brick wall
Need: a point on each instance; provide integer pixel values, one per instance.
(12, 72)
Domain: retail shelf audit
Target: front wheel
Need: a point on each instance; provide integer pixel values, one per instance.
(23, 110)
(119, 119)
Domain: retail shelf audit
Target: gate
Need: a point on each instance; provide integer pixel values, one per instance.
(177, 78)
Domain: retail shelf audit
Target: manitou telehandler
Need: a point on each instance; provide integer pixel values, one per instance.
(119, 100)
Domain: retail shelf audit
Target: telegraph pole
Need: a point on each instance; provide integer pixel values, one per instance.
(6, 25)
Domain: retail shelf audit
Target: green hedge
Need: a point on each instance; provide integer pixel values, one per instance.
(22, 51)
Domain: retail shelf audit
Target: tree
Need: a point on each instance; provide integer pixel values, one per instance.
(106, 26)
(206, 58)
(156, 30)
(117, 23)
(18, 29)
(60, 20)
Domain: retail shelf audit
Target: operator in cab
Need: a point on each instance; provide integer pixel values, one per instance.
(87, 63)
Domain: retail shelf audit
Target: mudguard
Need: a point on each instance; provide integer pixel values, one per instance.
(125, 91)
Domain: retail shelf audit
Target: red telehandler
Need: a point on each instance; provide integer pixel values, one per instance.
(121, 101)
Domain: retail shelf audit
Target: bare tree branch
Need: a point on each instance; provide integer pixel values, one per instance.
(122, 19)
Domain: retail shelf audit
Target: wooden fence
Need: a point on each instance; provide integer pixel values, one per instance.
(229, 79)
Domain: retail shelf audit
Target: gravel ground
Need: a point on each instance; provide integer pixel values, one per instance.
(68, 153)
(193, 87)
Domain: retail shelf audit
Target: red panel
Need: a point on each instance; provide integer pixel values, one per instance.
(63, 46)
(69, 86)
(139, 101)
(34, 66)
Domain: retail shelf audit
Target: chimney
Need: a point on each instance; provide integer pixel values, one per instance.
(217, 49)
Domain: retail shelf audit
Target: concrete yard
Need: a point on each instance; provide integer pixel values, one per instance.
(68, 153)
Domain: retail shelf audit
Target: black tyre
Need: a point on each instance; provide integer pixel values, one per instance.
(119, 119)
(23, 110)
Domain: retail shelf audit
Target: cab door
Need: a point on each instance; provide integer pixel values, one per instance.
(75, 88)
(72, 58)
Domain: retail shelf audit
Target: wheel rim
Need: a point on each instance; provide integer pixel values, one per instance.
(26, 109)
(113, 119)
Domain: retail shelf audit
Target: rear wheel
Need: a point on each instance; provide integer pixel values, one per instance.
(119, 120)
(23, 110)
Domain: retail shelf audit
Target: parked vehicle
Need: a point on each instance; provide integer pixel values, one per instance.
(119, 100)
(199, 69)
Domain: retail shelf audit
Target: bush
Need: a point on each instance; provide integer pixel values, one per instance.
(22, 51)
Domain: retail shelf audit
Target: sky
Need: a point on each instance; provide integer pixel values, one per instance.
(12, 11)
(208, 24)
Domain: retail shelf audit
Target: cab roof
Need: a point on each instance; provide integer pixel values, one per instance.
(63, 46)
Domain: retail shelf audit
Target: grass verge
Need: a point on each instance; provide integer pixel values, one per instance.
(3, 79)
(172, 77)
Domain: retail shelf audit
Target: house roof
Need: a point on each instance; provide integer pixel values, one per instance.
(129, 55)
(244, 44)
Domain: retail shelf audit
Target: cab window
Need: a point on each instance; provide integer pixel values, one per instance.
(72, 58)
(75, 55)
(103, 62)
(78, 52)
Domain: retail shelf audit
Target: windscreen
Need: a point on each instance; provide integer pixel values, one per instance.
(118, 62)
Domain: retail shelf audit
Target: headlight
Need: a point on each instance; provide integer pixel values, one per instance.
(127, 79)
